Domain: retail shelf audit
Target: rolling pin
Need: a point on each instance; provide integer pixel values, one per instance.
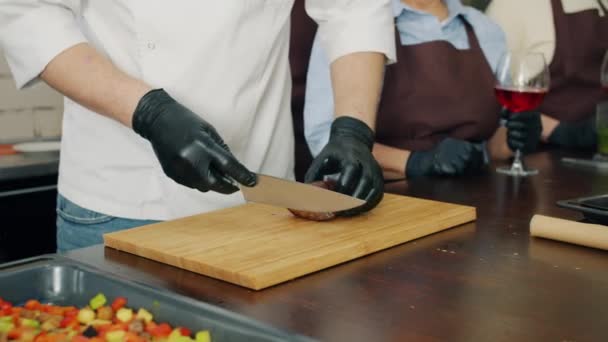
(584, 234)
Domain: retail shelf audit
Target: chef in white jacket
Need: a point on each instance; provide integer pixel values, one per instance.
(168, 103)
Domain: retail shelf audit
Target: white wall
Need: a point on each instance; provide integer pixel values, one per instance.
(30, 114)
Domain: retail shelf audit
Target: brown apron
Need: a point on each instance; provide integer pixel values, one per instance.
(581, 41)
(303, 30)
(437, 91)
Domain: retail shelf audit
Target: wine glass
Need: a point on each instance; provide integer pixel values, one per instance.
(604, 72)
(522, 81)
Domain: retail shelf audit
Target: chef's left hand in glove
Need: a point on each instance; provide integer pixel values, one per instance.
(581, 135)
(349, 154)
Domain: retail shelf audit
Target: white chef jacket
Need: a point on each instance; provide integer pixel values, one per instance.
(529, 25)
(226, 60)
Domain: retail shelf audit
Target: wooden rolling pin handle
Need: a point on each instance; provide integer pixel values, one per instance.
(584, 234)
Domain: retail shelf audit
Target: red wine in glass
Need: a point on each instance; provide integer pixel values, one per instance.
(520, 99)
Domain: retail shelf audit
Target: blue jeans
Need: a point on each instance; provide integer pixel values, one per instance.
(78, 227)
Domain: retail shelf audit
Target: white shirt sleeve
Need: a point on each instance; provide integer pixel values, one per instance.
(33, 32)
(349, 26)
(319, 100)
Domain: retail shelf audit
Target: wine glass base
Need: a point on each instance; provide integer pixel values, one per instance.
(516, 171)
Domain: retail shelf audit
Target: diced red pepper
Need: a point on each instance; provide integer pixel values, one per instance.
(161, 330)
(15, 334)
(68, 321)
(70, 312)
(6, 308)
(80, 338)
(119, 303)
(185, 331)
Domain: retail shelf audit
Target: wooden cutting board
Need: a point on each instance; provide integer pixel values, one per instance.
(258, 246)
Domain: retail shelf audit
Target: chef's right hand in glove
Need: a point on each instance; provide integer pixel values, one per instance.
(189, 149)
(524, 131)
(451, 157)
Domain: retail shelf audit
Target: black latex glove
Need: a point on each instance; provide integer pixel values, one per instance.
(189, 149)
(582, 135)
(451, 157)
(523, 131)
(349, 153)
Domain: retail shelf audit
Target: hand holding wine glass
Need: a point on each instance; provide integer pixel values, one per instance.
(522, 81)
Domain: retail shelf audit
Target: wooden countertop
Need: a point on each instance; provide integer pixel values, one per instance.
(485, 281)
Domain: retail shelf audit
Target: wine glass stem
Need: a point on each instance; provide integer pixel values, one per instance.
(517, 163)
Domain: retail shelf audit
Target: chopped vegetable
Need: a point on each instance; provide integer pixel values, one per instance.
(26, 322)
(98, 322)
(144, 315)
(115, 336)
(90, 332)
(203, 336)
(119, 303)
(105, 313)
(185, 331)
(98, 301)
(161, 330)
(6, 326)
(86, 316)
(124, 315)
(32, 305)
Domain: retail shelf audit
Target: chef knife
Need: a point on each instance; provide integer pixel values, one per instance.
(299, 196)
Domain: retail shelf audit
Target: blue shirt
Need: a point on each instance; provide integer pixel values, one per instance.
(415, 27)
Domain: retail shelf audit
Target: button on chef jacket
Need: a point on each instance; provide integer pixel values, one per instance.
(226, 60)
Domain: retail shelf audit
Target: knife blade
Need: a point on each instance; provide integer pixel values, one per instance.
(299, 196)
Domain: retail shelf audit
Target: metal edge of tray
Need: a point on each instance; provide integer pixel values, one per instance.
(596, 215)
(246, 322)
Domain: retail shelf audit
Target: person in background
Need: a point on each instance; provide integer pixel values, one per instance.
(169, 105)
(573, 36)
(438, 104)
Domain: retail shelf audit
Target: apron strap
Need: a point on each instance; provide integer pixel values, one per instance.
(599, 2)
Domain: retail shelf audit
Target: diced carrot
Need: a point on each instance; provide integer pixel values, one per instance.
(56, 310)
(131, 337)
(70, 312)
(32, 304)
(80, 338)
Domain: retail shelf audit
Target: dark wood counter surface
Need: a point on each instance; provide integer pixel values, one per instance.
(485, 281)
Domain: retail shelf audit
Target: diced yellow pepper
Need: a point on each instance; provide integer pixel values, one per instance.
(203, 336)
(144, 315)
(124, 315)
(115, 336)
(5, 327)
(86, 316)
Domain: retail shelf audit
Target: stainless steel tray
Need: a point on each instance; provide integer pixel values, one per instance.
(57, 280)
(592, 213)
